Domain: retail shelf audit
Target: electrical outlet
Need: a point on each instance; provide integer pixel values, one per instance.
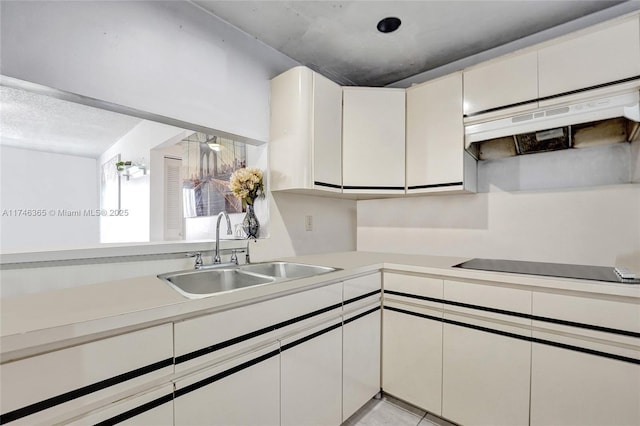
(308, 223)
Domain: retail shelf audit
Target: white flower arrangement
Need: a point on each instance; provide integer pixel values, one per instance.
(247, 185)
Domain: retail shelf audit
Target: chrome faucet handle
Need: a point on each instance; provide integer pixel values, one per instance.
(234, 256)
(198, 257)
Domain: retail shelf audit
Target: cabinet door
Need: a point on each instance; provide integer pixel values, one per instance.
(311, 377)
(487, 355)
(290, 131)
(412, 356)
(327, 134)
(435, 135)
(574, 388)
(154, 408)
(412, 339)
(485, 376)
(243, 391)
(373, 140)
(305, 146)
(503, 82)
(601, 55)
(361, 358)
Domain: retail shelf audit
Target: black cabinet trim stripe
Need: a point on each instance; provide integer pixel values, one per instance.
(219, 376)
(218, 346)
(518, 336)
(80, 392)
(360, 315)
(461, 324)
(518, 314)
(77, 393)
(216, 377)
(309, 337)
(362, 296)
(328, 185)
(394, 188)
(546, 98)
(435, 185)
(136, 411)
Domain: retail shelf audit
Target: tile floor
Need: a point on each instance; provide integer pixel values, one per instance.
(389, 411)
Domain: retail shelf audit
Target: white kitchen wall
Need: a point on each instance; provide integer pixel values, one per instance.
(594, 225)
(52, 182)
(334, 226)
(135, 193)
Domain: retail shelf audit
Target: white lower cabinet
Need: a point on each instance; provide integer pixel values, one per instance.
(360, 358)
(360, 342)
(486, 354)
(485, 377)
(574, 388)
(241, 391)
(588, 373)
(311, 376)
(412, 358)
(56, 384)
(412, 340)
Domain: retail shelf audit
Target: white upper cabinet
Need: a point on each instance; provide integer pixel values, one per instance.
(600, 55)
(305, 150)
(510, 80)
(373, 139)
(435, 135)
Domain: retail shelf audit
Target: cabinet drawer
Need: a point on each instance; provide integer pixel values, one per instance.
(617, 314)
(44, 386)
(208, 337)
(362, 290)
(413, 285)
(492, 302)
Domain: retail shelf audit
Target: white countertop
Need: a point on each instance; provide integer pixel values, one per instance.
(48, 320)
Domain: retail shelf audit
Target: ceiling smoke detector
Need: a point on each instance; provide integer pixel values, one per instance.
(389, 24)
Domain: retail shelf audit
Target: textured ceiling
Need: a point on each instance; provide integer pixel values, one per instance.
(43, 123)
(339, 38)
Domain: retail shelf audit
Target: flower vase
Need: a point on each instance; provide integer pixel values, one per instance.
(250, 223)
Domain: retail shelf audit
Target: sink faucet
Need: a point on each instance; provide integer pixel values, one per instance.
(216, 258)
(247, 258)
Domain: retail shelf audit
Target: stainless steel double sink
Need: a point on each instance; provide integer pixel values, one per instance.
(201, 283)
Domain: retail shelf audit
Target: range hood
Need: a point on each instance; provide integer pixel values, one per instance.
(549, 128)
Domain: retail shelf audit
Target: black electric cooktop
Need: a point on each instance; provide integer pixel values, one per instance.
(562, 270)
